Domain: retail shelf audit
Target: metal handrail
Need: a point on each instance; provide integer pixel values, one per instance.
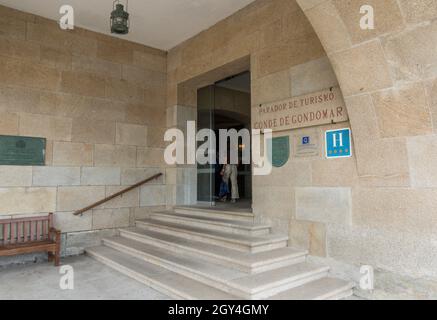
(115, 195)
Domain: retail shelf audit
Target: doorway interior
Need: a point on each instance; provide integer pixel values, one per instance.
(224, 105)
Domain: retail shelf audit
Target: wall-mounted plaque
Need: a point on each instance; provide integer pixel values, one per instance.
(306, 145)
(338, 143)
(280, 151)
(22, 151)
(314, 109)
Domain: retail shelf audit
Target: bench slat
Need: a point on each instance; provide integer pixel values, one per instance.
(5, 234)
(12, 232)
(25, 231)
(32, 231)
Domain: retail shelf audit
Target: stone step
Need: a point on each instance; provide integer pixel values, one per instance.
(323, 289)
(258, 286)
(213, 213)
(213, 223)
(243, 261)
(170, 283)
(238, 242)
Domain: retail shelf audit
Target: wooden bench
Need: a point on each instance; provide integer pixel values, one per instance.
(29, 235)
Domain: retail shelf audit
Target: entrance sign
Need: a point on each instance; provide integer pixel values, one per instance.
(280, 151)
(22, 151)
(306, 145)
(338, 143)
(314, 109)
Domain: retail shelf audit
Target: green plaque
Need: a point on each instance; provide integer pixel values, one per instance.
(280, 151)
(22, 151)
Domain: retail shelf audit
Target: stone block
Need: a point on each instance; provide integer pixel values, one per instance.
(97, 66)
(15, 99)
(312, 76)
(51, 128)
(131, 176)
(72, 154)
(127, 200)
(271, 60)
(362, 117)
(28, 74)
(403, 112)
(89, 108)
(155, 96)
(383, 162)
(12, 28)
(15, 176)
(309, 236)
(293, 173)
(83, 83)
(422, 152)
(122, 90)
(8, 123)
(273, 201)
(271, 34)
(56, 176)
(416, 11)
(152, 195)
(331, 29)
(111, 218)
(19, 49)
(27, 200)
(75, 198)
(58, 58)
(116, 52)
(141, 114)
(388, 18)
(273, 87)
(68, 222)
(150, 157)
(100, 176)
(134, 74)
(150, 61)
(114, 155)
(93, 131)
(327, 205)
(362, 69)
(131, 134)
(334, 173)
(396, 210)
(76, 242)
(155, 137)
(304, 49)
(411, 53)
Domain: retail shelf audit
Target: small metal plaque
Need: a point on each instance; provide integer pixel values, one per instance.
(22, 151)
(306, 145)
(280, 151)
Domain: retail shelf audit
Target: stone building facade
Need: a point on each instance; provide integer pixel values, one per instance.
(103, 104)
(100, 103)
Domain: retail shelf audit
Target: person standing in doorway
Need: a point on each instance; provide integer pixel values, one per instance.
(230, 172)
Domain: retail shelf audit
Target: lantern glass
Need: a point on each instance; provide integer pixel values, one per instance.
(119, 20)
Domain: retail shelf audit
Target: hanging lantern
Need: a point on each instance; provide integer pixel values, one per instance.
(119, 18)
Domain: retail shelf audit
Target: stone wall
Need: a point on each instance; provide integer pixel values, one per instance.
(378, 207)
(100, 103)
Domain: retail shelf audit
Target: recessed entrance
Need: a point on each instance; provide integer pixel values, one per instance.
(225, 105)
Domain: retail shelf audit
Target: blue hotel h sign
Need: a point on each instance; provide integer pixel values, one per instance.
(338, 143)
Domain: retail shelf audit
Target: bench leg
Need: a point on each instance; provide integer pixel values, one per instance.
(57, 257)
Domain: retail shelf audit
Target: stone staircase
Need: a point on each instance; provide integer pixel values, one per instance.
(193, 253)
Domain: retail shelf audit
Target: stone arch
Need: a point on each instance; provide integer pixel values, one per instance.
(384, 75)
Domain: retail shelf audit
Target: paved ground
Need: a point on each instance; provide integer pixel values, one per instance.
(92, 281)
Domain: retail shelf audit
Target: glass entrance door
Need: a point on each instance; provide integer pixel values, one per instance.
(205, 120)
